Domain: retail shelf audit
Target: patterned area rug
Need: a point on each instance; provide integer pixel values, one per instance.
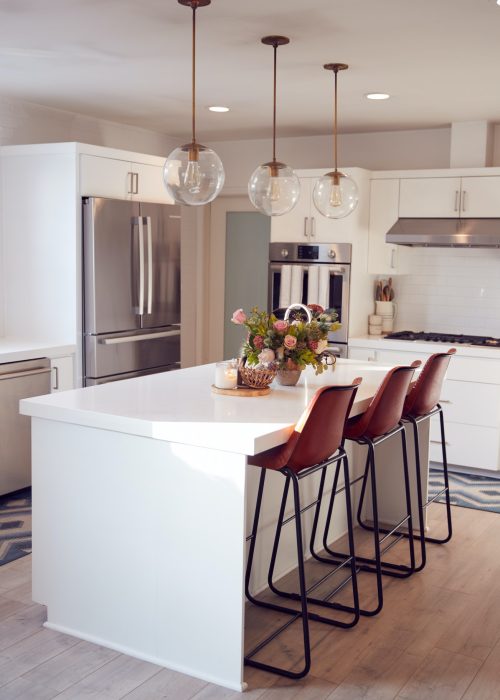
(467, 490)
(15, 525)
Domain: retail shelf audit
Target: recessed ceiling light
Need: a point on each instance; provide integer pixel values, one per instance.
(219, 109)
(379, 95)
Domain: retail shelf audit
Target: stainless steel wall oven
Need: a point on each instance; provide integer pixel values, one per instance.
(312, 274)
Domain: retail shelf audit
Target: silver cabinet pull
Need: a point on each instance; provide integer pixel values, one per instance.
(464, 200)
(137, 338)
(306, 219)
(136, 190)
(456, 200)
(444, 401)
(25, 373)
(393, 256)
(313, 226)
(56, 378)
(438, 442)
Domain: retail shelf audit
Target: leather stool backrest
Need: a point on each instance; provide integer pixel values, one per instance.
(321, 426)
(424, 396)
(386, 408)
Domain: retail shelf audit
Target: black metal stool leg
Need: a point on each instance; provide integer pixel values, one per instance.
(253, 537)
(249, 661)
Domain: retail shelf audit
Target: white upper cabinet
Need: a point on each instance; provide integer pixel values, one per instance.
(297, 225)
(450, 197)
(433, 197)
(101, 176)
(304, 224)
(480, 197)
(385, 258)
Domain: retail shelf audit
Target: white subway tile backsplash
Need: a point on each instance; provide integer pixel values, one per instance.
(450, 291)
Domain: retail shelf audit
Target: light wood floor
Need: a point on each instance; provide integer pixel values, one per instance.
(437, 637)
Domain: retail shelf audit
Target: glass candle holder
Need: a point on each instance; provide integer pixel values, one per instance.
(226, 375)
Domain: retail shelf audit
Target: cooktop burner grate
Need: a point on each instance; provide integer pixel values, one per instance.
(446, 338)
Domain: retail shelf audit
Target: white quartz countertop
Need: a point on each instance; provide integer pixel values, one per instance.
(180, 407)
(380, 343)
(17, 349)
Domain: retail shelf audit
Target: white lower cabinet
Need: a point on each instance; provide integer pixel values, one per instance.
(62, 373)
(471, 406)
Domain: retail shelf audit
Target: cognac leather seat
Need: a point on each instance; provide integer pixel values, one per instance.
(421, 403)
(314, 445)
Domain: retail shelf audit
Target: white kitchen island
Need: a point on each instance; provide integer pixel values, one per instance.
(139, 510)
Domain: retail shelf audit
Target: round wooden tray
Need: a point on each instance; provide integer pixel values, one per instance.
(241, 391)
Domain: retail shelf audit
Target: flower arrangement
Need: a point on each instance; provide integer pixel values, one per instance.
(290, 344)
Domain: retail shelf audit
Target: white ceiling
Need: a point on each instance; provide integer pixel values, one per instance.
(129, 61)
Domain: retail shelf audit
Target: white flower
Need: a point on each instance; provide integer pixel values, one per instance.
(322, 345)
(266, 356)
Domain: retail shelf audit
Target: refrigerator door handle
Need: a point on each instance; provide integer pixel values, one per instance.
(140, 224)
(150, 265)
(137, 337)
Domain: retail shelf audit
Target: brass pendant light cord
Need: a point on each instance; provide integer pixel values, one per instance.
(193, 78)
(336, 70)
(275, 46)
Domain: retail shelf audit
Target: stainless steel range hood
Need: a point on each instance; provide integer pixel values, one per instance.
(446, 233)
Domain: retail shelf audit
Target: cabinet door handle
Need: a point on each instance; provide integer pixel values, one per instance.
(438, 442)
(56, 378)
(306, 219)
(464, 200)
(445, 401)
(130, 183)
(456, 200)
(136, 180)
(313, 226)
(393, 254)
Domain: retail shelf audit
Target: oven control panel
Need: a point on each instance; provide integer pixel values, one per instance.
(310, 253)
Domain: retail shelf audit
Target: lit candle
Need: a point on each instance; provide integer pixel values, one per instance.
(226, 375)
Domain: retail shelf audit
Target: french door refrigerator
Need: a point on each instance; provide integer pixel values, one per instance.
(131, 289)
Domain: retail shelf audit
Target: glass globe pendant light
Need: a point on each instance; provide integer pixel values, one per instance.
(335, 194)
(193, 174)
(273, 187)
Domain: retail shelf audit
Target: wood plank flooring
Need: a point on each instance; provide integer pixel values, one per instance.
(437, 637)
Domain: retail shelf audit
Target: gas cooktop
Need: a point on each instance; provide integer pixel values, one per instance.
(446, 338)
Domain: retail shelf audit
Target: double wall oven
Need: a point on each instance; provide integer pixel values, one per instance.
(312, 274)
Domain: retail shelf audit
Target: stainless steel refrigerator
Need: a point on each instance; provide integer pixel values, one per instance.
(131, 289)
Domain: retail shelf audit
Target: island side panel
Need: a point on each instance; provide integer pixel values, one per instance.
(138, 545)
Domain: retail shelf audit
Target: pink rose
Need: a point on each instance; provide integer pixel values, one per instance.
(290, 341)
(239, 317)
(280, 326)
(313, 345)
(258, 342)
(266, 356)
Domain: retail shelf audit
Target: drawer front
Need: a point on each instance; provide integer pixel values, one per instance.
(471, 403)
(466, 445)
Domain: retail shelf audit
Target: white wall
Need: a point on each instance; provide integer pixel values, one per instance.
(23, 122)
(450, 291)
(385, 150)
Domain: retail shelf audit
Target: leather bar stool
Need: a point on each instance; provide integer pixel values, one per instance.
(378, 423)
(314, 445)
(421, 403)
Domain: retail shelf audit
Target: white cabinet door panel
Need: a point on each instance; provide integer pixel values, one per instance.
(104, 177)
(385, 258)
(466, 445)
(295, 227)
(471, 402)
(62, 373)
(480, 197)
(150, 186)
(429, 197)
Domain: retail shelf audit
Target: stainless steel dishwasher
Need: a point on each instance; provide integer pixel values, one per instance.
(18, 380)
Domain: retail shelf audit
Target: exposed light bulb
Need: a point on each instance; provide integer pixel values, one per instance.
(274, 189)
(192, 177)
(335, 195)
